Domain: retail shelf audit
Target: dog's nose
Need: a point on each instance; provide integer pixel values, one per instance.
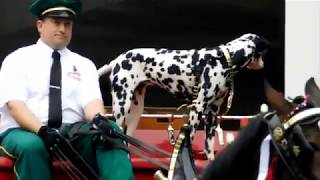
(262, 44)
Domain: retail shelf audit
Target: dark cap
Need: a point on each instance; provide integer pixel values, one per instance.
(56, 8)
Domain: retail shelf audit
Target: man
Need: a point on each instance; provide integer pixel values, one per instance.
(39, 94)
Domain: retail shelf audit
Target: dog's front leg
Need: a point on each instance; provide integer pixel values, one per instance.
(195, 117)
(209, 127)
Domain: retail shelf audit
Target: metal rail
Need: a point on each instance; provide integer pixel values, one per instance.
(180, 116)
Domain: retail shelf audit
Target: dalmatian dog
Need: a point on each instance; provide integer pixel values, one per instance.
(202, 77)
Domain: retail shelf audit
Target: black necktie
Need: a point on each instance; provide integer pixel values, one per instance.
(55, 107)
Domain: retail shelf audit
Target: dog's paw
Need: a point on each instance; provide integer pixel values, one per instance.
(210, 156)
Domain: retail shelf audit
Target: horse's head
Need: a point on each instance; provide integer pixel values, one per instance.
(297, 140)
(247, 51)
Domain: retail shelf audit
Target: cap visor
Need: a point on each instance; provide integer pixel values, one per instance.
(60, 14)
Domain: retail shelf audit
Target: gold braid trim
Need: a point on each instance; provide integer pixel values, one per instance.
(175, 154)
(7, 153)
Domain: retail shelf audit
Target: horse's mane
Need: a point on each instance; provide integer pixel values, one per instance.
(240, 160)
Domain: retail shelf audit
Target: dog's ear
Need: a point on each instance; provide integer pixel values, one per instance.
(261, 43)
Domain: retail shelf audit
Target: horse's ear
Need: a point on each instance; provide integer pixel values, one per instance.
(313, 92)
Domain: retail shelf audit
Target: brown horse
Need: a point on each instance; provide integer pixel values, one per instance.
(293, 146)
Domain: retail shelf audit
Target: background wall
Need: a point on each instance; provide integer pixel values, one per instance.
(108, 27)
(302, 44)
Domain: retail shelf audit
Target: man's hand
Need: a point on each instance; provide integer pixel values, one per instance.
(101, 123)
(49, 136)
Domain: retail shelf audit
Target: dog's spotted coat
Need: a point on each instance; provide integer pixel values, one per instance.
(178, 72)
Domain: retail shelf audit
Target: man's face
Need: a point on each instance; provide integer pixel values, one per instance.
(55, 32)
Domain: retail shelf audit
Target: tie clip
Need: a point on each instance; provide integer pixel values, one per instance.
(55, 87)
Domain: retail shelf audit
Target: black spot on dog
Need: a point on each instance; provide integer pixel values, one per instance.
(184, 56)
(124, 80)
(207, 82)
(149, 60)
(116, 69)
(148, 75)
(216, 89)
(239, 57)
(162, 69)
(189, 74)
(195, 58)
(180, 88)
(159, 74)
(208, 57)
(167, 81)
(163, 51)
(222, 59)
(126, 65)
(129, 55)
(138, 58)
(122, 110)
(180, 82)
(174, 69)
(177, 58)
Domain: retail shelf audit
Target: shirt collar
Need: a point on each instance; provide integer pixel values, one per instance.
(47, 49)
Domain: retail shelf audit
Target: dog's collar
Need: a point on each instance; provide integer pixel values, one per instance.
(226, 55)
(233, 68)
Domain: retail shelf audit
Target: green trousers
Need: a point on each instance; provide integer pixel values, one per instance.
(32, 161)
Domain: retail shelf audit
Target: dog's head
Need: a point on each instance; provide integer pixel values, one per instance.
(247, 51)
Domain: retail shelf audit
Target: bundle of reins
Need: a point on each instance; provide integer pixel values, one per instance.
(181, 165)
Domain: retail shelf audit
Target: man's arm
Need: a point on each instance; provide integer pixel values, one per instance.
(23, 116)
(93, 108)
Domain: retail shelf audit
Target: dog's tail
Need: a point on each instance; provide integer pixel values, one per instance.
(106, 69)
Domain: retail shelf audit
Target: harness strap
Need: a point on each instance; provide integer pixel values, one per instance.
(184, 161)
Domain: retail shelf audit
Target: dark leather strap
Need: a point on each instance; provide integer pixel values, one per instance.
(55, 107)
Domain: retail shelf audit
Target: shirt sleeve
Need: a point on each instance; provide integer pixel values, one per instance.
(12, 80)
(89, 87)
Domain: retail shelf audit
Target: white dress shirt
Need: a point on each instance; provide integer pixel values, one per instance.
(25, 75)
